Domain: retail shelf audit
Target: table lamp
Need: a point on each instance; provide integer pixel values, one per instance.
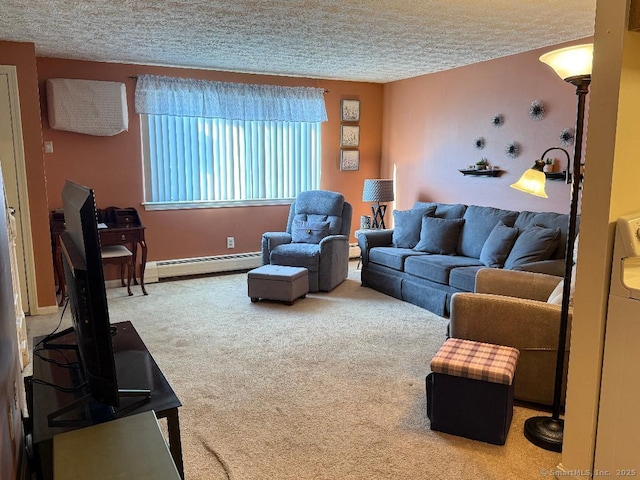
(378, 191)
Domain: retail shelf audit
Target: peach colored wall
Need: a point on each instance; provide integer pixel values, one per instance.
(430, 124)
(22, 55)
(112, 165)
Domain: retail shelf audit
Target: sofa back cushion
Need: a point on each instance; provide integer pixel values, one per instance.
(478, 224)
(407, 225)
(439, 235)
(308, 232)
(321, 206)
(549, 220)
(444, 210)
(534, 244)
(498, 245)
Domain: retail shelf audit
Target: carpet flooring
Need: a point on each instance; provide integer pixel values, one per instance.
(331, 387)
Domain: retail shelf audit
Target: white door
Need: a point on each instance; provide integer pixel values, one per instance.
(13, 171)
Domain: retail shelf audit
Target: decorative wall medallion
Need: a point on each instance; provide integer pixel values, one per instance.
(497, 120)
(479, 143)
(512, 150)
(566, 137)
(536, 110)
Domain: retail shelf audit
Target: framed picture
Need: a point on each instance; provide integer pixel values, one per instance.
(349, 160)
(350, 111)
(349, 135)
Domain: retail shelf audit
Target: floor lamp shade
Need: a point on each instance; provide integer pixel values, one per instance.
(569, 62)
(378, 191)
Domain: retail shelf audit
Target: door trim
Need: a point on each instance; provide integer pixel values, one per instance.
(25, 215)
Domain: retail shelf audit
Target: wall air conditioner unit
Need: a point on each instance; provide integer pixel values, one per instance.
(91, 107)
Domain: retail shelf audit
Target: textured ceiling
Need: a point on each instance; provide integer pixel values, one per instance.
(362, 40)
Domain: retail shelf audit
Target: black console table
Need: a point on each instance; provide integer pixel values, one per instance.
(136, 369)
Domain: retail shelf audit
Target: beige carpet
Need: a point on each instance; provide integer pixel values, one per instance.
(329, 388)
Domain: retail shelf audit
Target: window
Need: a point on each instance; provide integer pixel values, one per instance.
(194, 157)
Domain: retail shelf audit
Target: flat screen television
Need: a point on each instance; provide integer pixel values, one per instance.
(84, 276)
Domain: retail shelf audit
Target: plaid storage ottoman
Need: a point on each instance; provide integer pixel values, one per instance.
(278, 282)
(470, 390)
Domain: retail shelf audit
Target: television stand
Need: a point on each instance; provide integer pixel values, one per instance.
(138, 369)
(99, 412)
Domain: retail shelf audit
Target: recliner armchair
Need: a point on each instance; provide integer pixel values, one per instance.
(316, 238)
(511, 308)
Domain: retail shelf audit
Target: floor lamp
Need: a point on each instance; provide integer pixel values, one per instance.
(572, 64)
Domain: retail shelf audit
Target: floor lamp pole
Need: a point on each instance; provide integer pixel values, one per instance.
(548, 432)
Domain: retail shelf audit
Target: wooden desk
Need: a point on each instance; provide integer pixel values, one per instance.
(135, 369)
(130, 236)
(130, 447)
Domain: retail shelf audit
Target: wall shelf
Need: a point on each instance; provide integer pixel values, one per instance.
(555, 175)
(482, 173)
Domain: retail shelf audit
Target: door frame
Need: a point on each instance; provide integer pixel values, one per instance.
(25, 235)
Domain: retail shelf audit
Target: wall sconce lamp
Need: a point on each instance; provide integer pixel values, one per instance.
(573, 65)
(377, 191)
(533, 180)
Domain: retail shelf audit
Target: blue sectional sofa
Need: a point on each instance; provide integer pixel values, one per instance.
(436, 249)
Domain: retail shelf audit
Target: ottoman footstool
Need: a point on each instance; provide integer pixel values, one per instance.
(470, 390)
(278, 282)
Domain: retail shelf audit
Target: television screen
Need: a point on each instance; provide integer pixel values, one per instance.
(84, 277)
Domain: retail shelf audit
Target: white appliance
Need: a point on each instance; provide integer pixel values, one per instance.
(618, 436)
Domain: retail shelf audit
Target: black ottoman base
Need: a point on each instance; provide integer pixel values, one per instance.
(469, 408)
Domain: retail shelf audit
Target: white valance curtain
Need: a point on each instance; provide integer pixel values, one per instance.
(161, 95)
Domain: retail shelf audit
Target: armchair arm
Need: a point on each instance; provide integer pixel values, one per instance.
(333, 267)
(515, 322)
(528, 325)
(367, 239)
(271, 240)
(515, 283)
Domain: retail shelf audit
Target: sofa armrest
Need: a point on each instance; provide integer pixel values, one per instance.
(515, 283)
(271, 240)
(368, 239)
(550, 267)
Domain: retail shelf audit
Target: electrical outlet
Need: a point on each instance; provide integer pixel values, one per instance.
(231, 242)
(48, 146)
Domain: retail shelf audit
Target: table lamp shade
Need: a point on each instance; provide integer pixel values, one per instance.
(378, 190)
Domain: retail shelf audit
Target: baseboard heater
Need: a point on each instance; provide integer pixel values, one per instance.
(203, 265)
(214, 264)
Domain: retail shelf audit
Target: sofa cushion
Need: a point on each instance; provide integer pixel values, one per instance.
(478, 224)
(439, 235)
(533, 244)
(548, 220)
(305, 255)
(407, 225)
(444, 210)
(437, 267)
(391, 257)
(308, 232)
(464, 278)
(498, 245)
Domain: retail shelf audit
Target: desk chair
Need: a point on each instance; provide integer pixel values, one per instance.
(119, 255)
